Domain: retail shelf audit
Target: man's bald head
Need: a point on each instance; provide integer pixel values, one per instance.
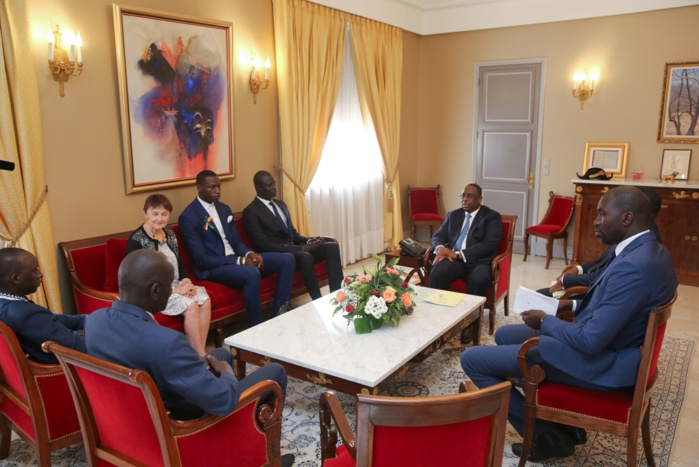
(19, 272)
(622, 213)
(145, 280)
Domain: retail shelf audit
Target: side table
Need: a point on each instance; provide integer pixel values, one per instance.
(410, 262)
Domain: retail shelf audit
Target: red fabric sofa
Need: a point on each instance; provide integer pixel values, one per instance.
(92, 266)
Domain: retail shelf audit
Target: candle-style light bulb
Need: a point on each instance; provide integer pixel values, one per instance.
(267, 66)
(51, 40)
(79, 47)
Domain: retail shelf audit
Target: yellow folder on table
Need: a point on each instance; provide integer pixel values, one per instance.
(445, 298)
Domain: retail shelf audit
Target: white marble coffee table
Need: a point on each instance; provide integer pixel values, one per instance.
(318, 347)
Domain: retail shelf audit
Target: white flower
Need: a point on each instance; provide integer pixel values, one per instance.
(376, 306)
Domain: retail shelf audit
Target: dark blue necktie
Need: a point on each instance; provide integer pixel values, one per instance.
(463, 233)
(278, 216)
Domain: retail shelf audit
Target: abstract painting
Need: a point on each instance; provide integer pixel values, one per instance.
(175, 83)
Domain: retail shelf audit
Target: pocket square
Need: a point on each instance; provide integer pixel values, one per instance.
(230, 219)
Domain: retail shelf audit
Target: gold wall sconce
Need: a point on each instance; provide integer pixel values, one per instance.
(63, 63)
(255, 81)
(584, 85)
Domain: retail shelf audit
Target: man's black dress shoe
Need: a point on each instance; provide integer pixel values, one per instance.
(287, 460)
(577, 435)
(466, 336)
(553, 443)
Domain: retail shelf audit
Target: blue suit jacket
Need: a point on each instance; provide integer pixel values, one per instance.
(33, 325)
(602, 344)
(483, 235)
(205, 245)
(127, 335)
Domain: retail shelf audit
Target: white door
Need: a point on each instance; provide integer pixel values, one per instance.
(508, 139)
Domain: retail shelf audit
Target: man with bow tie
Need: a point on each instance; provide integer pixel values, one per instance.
(219, 255)
(268, 222)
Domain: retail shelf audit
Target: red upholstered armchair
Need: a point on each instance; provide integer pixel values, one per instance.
(616, 413)
(124, 421)
(35, 402)
(554, 225)
(461, 429)
(499, 288)
(423, 204)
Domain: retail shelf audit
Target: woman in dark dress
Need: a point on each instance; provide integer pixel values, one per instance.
(187, 299)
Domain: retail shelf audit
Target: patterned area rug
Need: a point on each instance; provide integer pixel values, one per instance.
(441, 374)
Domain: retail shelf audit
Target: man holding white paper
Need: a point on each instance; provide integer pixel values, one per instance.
(599, 349)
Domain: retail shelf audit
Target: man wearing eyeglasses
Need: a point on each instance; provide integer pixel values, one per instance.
(466, 244)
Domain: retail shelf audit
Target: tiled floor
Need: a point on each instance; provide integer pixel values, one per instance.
(683, 323)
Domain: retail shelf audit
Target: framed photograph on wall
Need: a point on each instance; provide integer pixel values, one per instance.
(680, 105)
(676, 161)
(176, 93)
(608, 156)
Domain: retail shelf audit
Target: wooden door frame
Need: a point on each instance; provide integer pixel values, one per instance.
(533, 215)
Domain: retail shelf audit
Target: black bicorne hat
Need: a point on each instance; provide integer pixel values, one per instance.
(594, 173)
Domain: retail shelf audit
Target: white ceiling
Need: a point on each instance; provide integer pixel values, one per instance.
(427, 17)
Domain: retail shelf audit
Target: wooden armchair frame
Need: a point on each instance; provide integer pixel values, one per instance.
(24, 385)
(374, 412)
(637, 407)
(170, 433)
(562, 231)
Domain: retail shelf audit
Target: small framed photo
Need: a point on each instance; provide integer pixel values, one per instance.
(676, 162)
(680, 88)
(608, 156)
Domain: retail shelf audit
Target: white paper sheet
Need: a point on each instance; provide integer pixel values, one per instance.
(527, 299)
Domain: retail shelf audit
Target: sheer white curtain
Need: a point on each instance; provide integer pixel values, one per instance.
(345, 198)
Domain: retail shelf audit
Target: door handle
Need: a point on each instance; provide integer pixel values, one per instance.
(530, 179)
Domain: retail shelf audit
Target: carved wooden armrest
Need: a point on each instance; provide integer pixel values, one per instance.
(495, 265)
(332, 420)
(575, 290)
(530, 375)
(266, 414)
(429, 257)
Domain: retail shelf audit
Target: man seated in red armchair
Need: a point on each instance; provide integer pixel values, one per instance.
(33, 324)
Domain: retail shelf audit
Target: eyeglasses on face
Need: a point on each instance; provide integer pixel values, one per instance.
(467, 196)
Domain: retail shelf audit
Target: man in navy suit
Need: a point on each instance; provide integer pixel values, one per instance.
(268, 223)
(599, 350)
(466, 244)
(31, 323)
(127, 334)
(212, 241)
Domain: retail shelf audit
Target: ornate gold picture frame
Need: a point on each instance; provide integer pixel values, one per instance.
(176, 92)
(680, 104)
(611, 157)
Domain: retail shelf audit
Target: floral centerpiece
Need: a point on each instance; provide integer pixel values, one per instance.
(379, 296)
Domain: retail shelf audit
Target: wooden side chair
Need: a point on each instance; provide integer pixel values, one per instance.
(465, 428)
(35, 402)
(501, 266)
(616, 413)
(124, 421)
(554, 225)
(423, 204)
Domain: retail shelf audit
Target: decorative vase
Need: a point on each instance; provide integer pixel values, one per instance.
(364, 325)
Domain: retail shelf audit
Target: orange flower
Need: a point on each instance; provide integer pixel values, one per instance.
(406, 299)
(389, 294)
(340, 297)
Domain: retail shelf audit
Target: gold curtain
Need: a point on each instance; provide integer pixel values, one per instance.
(378, 64)
(310, 44)
(25, 221)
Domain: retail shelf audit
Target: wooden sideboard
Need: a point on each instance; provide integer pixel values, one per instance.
(678, 221)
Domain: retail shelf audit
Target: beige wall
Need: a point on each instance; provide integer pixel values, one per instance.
(82, 131)
(629, 50)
